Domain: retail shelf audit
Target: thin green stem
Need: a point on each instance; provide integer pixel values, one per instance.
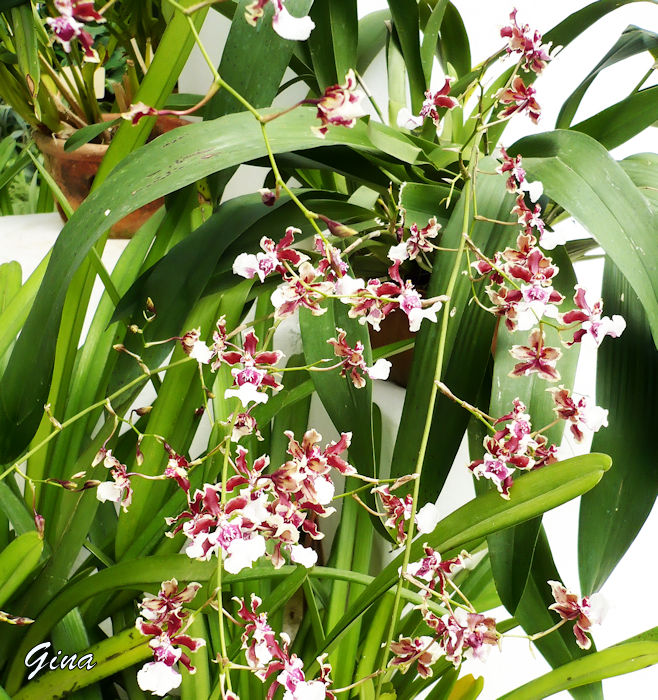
(142, 378)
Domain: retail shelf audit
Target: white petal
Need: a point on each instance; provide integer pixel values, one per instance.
(407, 120)
(303, 555)
(158, 678)
(380, 370)
(398, 252)
(595, 417)
(109, 491)
(245, 265)
(347, 286)
(598, 608)
(246, 393)
(201, 352)
(417, 315)
(241, 554)
(534, 189)
(551, 239)
(427, 518)
(617, 326)
(324, 489)
(293, 28)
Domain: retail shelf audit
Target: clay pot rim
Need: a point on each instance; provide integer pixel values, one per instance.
(53, 144)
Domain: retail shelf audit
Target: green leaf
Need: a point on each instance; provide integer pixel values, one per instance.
(454, 47)
(333, 42)
(17, 561)
(623, 120)
(642, 168)
(633, 40)
(612, 514)
(15, 510)
(575, 24)
(531, 495)
(24, 20)
(88, 133)
(111, 655)
(407, 24)
(431, 37)
(579, 174)
(372, 37)
(614, 661)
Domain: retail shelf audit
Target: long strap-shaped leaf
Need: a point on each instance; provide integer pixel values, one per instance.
(579, 174)
(614, 661)
(612, 514)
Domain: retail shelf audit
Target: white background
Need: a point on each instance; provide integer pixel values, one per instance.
(631, 588)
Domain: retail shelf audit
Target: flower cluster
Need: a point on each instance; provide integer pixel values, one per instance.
(586, 612)
(283, 23)
(529, 273)
(267, 656)
(526, 42)
(307, 286)
(457, 635)
(163, 620)
(70, 25)
(519, 97)
(511, 447)
(276, 507)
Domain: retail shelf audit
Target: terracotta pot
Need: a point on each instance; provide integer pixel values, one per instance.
(393, 328)
(75, 171)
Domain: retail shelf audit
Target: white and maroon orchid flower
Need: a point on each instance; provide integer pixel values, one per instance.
(354, 365)
(536, 357)
(519, 98)
(283, 23)
(586, 612)
(301, 290)
(432, 570)
(407, 120)
(398, 510)
(168, 603)
(273, 258)
(496, 470)
(82, 10)
(256, 373)
(434, 101)
(536, 302)
(513, 170)
(522, 40)
(578, 413)
(195, 348)
(418, 241)
(65, 29)
(593, 327)
(340, 105)
(119, 490)
(424, 651)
